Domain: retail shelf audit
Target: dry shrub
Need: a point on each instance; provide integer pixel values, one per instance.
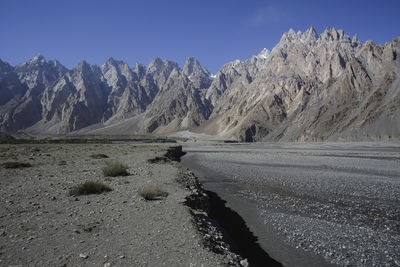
(88, 188)
(152, 193)
(115, 168)
(99, 156)
(16, 165)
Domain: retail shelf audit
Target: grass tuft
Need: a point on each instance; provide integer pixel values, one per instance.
(16, 165)
(115, 168)
(88, 188)
(152, 193)
(158, 160)
(99, 156)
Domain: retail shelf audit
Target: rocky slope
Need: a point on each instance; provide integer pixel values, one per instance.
(45, 97)
(313, 87)
(309, 87)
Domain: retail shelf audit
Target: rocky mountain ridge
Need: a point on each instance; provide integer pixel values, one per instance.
(309, 87)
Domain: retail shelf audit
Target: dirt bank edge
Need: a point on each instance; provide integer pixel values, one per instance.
(212, 234)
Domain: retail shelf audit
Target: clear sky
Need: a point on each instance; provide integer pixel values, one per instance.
(214, 31)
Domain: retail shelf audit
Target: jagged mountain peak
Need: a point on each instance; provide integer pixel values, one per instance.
(311, 35)
(264, 53)
(39, 58)
(4, 66)
(290, 36)
(83, 67)
(113, 63)
(332, 34)
(198, 75)
(139, 65)
(140, 70)
(192, 65)
(309, 87)
(157, 65)
(35, 62)
(312, 31)
(55, 63)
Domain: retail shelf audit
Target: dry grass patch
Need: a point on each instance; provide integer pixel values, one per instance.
(16, 165)
(115, 168)
(152, 193)
(158, 160)
(88, 188)
(98, 156)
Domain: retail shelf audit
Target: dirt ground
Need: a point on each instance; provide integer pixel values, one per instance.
(42, 225)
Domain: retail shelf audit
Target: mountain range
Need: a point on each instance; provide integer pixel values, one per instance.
(309, 87)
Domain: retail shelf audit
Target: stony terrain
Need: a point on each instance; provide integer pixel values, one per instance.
(339, 201)
(41, 225)
(309, 87)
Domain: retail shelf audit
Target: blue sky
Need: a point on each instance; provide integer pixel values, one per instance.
(215, 32)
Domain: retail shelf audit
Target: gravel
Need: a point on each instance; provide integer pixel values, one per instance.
(41, 225)
(340, 201)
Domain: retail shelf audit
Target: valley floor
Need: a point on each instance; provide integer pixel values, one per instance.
(310, 204)
(41, 225)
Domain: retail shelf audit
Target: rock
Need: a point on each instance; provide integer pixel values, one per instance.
(244, 263)
(84, 255)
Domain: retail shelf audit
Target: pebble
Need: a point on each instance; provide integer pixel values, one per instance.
(244, 263)
(84, 255)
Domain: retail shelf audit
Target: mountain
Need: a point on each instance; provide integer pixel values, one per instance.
(44, 97)
(309, 87)
(314, 87)
(199, 76)
(25, 84)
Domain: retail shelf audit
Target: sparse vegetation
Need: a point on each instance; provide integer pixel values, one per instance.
(152, 193)
(159, 160)
(16, 165)
(89, 187)
(99, 156)
(115, 168)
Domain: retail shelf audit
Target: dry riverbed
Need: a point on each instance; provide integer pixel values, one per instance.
(310, 204)
(42, 225)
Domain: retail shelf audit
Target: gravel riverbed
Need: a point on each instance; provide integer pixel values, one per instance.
(339, 201)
